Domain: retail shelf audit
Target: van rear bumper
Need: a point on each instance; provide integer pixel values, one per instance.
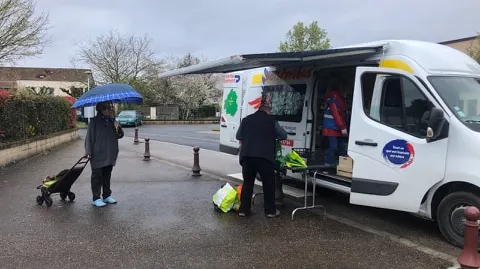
(228, 149)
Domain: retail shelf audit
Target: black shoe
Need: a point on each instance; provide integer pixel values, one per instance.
(277, 213)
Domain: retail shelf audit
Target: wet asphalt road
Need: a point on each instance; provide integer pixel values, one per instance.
(200, 135)
(165, 219)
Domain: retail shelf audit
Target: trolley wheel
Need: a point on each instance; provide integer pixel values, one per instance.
(63, 196)
(40, 200)
(48, 201)
(71, 196)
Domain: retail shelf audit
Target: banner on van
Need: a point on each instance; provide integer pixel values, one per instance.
(281, 75)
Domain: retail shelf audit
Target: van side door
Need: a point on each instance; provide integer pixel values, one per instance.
(394, 165)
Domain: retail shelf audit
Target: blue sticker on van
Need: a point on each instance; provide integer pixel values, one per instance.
(399, 152)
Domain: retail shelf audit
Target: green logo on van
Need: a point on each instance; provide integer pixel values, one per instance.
(230, 103)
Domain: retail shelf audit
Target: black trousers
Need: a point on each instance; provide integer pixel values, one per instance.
(101, 180)
(250, 167)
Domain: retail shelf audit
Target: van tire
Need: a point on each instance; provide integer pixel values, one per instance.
(451, 208)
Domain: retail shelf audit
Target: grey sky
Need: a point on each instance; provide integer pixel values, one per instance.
(215, 29)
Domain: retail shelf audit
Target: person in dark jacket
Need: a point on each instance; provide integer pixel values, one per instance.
(257, 134)
(334, 121)
(101, 145)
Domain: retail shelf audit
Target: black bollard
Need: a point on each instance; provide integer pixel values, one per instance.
(196, 163)
(135, 140)
(146, 155)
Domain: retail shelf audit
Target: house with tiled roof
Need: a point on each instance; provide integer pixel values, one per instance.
(461, 44)
(50, 79)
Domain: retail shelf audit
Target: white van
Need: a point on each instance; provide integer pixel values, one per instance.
(411, 103)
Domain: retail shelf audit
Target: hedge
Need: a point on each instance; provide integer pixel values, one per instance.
(73, 112)
(26, 116)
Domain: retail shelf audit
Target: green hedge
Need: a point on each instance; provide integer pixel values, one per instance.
(26, 116)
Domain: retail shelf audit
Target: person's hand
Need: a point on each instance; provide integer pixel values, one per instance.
(117, 125)
(344, 132)
(88, 156)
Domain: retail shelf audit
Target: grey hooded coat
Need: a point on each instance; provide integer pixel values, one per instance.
(101, 142)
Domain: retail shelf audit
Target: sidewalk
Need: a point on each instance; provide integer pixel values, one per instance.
(398, 225)
(165, 219)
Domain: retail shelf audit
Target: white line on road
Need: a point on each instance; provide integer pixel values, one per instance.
(178, 136)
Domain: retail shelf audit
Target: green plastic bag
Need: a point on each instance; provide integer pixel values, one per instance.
(292, 160)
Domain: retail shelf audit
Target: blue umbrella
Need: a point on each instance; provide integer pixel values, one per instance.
(114, 92)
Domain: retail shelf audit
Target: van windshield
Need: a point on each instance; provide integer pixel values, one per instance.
(461, 94)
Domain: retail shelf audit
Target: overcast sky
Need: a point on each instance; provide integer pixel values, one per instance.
(216, 29)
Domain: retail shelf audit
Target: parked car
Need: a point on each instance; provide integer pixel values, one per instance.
(130, 118)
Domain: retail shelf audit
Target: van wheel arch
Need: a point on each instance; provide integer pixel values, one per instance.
(451, 187)
(447, 204)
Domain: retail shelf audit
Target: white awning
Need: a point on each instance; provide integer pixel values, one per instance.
(278, 59)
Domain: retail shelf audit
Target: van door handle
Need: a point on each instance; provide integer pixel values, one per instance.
(366, 143)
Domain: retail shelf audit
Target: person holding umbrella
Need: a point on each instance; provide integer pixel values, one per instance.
(101, 142)
(101, 145)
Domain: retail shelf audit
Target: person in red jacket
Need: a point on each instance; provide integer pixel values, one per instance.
(334, 121)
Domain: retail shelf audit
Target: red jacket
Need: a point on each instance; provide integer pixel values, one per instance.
(338, 112)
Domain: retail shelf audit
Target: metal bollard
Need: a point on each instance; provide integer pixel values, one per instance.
(135, 140)
(469, 257)
(196, 162)
(146, 155)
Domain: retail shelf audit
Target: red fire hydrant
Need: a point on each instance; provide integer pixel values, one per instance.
(469, 258)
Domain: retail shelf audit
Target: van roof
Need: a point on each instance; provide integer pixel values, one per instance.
(434, 58)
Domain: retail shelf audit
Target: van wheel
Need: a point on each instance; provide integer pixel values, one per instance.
(451, 218)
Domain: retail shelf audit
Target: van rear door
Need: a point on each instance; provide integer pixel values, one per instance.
(231, 112)
(289, 90)
(394, 165)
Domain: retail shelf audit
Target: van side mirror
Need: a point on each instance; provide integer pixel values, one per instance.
(435, 124)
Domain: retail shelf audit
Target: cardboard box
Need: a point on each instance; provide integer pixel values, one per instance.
(346, 162)
(345, 166)
(344, 174)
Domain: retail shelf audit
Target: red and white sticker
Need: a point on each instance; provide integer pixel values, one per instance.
(287, 143)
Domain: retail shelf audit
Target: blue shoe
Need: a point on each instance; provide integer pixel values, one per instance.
(99, 203)
(109, 200)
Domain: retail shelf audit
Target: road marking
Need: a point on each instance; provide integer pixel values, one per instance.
(209, 132)
(179, 136)
(227, 155)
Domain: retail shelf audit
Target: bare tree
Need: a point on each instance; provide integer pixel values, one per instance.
(118, 58)
(22, 32)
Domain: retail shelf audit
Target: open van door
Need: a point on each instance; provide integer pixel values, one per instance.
(231, 112)
(394, 165)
